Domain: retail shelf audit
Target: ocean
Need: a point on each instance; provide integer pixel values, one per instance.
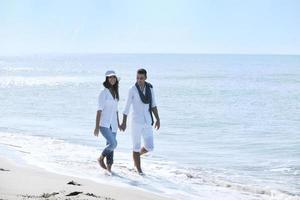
(230, 124)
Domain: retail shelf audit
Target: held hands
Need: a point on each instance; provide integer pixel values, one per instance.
(122, 127)
(96, 131)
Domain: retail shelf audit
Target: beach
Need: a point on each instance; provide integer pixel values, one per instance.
(229, 126)
(30, 182)
(138, 100)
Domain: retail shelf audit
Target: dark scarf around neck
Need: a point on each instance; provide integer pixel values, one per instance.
(147, 97)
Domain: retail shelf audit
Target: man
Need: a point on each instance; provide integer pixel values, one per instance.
(142, 99)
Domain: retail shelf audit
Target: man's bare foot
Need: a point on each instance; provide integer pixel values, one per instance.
(137, 161)
(140, 171)
(141, 174)
(101, 162)
(143, 151)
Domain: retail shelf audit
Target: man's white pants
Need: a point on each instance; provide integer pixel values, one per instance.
(137, 132)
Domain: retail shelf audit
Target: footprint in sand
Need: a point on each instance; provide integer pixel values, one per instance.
(73, 183)
(74, 193)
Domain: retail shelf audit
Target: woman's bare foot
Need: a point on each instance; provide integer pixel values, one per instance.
(109, 168)
(101, 162)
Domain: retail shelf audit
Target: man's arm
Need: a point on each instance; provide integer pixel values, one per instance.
(126, 110)
(123, 125)
(155, 112)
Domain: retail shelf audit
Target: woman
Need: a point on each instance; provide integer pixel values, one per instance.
(107, 118)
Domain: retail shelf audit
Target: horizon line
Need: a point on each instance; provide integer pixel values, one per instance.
(144, 53)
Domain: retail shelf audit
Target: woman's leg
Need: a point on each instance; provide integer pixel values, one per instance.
(110, 156)
(111, 145)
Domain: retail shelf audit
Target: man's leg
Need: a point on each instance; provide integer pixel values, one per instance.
(143, 151)
(136, 142)
(147, 134)
(137, 161)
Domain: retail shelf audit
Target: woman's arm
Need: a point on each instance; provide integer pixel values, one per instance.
(101, 101)
(119, 125)
(97, 127)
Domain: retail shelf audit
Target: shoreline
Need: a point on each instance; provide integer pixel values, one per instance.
(30, 182)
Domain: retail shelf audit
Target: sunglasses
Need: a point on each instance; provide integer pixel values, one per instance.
(140, 78)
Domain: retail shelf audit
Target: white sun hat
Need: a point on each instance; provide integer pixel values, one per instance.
(110, 73)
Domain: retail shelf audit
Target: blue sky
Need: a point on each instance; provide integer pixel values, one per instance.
(150, 26)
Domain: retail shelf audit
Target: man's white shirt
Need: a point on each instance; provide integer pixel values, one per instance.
(140, 110)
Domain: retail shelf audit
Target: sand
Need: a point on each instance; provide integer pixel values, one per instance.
(20, 181)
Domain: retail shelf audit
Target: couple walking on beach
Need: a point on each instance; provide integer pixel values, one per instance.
(142, 99)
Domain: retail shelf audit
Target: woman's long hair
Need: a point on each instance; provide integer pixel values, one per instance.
(113, 88)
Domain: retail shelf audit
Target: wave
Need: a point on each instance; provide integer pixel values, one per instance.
(22, 81)
(162, 176)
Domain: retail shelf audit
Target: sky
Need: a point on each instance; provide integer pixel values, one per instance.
(149, 26)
